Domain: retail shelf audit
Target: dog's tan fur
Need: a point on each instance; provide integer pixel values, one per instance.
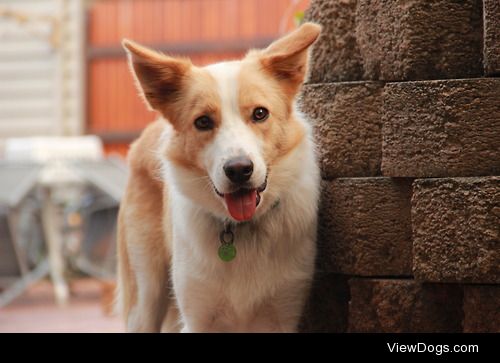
(140, 215)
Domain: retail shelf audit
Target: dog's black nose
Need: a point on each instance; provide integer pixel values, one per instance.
(239, 169)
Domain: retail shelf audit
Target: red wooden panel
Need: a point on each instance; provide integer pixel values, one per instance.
(157, 21)
(125, 19)
(113, 149)
(152, 21)
(93, 96)
(229, 11)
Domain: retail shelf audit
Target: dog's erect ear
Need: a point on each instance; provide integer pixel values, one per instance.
(159, 77)
(287, 57)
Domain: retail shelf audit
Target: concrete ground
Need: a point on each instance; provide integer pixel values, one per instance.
(87, 311)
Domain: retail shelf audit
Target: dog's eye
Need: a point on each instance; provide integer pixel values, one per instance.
(260, 114)
(204, 123)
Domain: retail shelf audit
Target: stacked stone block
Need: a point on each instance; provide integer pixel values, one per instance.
(406, 109)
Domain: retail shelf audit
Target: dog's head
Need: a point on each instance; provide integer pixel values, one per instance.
(231, 121)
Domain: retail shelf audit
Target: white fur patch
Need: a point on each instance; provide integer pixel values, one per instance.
(235, 137)
(226, 75)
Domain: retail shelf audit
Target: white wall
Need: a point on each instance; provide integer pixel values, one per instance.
(41, 67)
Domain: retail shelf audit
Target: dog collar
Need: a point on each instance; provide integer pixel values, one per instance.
(227, 249)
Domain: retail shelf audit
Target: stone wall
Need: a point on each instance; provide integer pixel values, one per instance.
(406, 109)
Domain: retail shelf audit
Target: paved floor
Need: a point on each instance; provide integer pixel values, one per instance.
(35, 311)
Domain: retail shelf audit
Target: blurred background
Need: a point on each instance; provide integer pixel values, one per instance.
(68, 112)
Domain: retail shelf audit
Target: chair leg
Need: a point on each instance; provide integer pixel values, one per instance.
(52, 231)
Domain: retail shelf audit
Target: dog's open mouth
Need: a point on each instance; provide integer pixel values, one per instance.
(242, 203)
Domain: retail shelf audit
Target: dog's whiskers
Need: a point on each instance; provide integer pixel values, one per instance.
(206, 186)
(191, 180)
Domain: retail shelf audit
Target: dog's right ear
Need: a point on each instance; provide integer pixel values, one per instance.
(287, 58)
(159, 77)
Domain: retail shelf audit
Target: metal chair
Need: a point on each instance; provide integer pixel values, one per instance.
(66, 171)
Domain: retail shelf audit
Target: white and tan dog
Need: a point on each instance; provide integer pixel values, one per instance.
(217, 228)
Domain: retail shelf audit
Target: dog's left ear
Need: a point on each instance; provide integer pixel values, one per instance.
(287, 57)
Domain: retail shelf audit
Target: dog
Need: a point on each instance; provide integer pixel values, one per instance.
(217, 228)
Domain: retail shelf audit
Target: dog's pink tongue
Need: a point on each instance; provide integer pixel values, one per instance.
(241, 205)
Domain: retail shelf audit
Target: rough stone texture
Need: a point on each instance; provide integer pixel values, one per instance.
(456, 229)
(396, 40)
(441, 128)
(482, 309)
(365, 228)
(347, 119)
(491, 37)
(335, 56)
(326, 310)
(410, 40)
(400, 306)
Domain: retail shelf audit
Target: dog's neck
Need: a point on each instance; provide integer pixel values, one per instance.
(227, 249)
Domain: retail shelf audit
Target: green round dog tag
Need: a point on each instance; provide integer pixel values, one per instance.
(227, 252)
